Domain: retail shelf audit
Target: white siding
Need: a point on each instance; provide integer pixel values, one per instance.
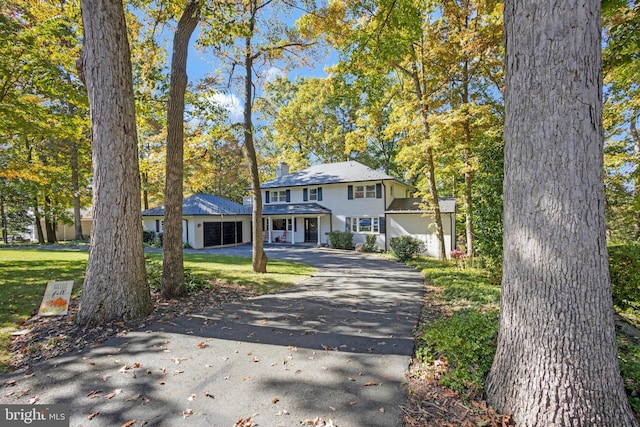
(424, 229)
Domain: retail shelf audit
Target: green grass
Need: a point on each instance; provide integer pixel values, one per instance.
(24, 274)
(467, 338)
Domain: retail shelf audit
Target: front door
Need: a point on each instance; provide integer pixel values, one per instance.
(311, 230)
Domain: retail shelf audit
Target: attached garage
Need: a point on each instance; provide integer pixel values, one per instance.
(208, 221)
(221, 233)
(407, 217)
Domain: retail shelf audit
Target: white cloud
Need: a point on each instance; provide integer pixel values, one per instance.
(231, 103)
(273, 73)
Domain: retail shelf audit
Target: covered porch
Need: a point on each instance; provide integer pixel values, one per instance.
(296, 223)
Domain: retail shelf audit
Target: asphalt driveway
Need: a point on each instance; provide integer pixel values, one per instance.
(335, 347)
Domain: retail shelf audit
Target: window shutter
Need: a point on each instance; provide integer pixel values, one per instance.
(157, 225)
(347, 220)
(288, 196)
(319, 194)
(305, 195)
(383, 225)
(350, 192)
(266, 196)
(295, 225)
(378, 191)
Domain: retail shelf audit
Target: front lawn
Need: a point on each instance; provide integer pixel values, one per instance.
(24, 274)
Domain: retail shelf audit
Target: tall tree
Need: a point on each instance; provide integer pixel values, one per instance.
(115, 286)
(556, 360)
(172, 258)
(254, 37)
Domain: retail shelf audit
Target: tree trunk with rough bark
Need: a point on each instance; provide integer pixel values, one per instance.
(38, 221)
(259, 257)
(431, 168)
(75, 184)
(556, 362)
(172, 259)
(115, 285)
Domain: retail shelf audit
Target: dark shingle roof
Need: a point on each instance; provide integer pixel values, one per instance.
(204, 204)
(295, 209)
(331, 173)
(413, 205)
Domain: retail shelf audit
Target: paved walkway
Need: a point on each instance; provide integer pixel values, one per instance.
(335, 347)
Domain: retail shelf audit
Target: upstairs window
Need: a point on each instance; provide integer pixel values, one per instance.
(279, 196)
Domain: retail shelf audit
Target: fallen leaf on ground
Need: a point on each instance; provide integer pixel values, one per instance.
(134, 397)
(105, 377)
(187, 412)
(283, 412)
(129, 423)
(352, 403)
(206, 393)
(33, 400)
(275, 400)
(137, 365)
(9, 383)
(351, 379)
(178, 360)
(369, 383)
(245, 422)
(203, 345)
(191, 396)
(93, 415)
(113, 393)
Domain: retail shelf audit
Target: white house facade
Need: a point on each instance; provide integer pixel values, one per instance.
(306, 205)
(208, 221)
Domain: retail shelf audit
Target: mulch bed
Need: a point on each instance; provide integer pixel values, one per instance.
(52, 336)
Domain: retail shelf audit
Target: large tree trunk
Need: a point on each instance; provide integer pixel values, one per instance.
(259, 257)
(115, 285)
(75, 183)
(172, 258)
(556, 362)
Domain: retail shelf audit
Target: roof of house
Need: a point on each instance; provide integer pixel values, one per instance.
(204, 204)
(295, 209)
(330, 173)
(416, 205)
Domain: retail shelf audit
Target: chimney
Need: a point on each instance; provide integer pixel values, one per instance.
(282, 169)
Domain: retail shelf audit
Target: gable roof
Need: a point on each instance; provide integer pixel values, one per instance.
(204, 204)
(330, 173)
(415, 205)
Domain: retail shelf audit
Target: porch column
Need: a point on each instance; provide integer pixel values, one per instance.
(319, 229)
(269, 228)
(293, 230)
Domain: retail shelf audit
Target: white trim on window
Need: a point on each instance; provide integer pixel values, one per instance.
(365, 224)
(364, 191)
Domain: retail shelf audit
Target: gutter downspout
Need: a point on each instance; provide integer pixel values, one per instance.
(384, 199)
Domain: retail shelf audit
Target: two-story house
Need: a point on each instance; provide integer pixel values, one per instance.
(306, 205)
